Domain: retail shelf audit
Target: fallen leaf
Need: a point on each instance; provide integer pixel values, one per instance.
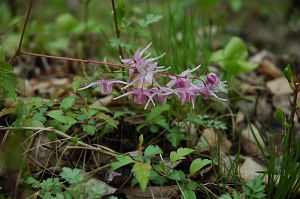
(209, 140)
(250, 169)
(279, 86)
(249, 143)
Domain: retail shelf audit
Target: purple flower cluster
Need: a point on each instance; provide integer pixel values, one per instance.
(143, 72)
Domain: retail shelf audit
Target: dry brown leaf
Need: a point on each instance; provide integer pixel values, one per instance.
(249, 142)
(250, 169)
(209, 140)
(279, 86)
(268, 67)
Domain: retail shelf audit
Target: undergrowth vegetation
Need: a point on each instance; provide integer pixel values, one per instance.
(133, 99)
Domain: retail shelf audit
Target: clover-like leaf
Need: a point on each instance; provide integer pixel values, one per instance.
(122, 160)
(152, 150)
(180, 154)
(198, 164)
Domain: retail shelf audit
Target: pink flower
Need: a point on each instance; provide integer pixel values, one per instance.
(182, 80)
(212, 80)
(161, 93)
(105, 85)
(141, 96)
(137, 62)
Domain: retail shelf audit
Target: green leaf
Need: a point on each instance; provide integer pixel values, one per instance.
(217, 56)
(198, 164)
(175, 137)
(72, 176)
(77, 81)
(288, 73)
(89, 129)
(98, 106)
(156, 111)
(1, 54)
(152, 150)
(188, 194)
(118, 114)
(157, 179)
(67, 103)
(150, 18)
(39, 117)
(235, 5)
(162, 122)
(58, 115)
(108, 119)
(180, 153)
(66, 22)
(7, 82)
(245, 66)
(141, 172)
(122, 160)
(195, 119)
(32, 182)
(280, 116)
(176, 175)
(235, 49)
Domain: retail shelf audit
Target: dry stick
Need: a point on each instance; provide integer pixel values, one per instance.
(94, 62)
(17, 53)
(99, 148)
(71, 59)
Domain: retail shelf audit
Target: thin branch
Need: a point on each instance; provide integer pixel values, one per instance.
(17, 53)
(95, 62)
(99, 148)
(71, 59)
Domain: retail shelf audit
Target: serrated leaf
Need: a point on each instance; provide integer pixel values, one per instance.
(39, 117)
(141, 172)
(67, 102)
(176, 175)
(122, 160)
(7, 79)
(195, 119)
(156, 111)
(175, 137)
(58, 115)
(108, 119)
(198, 164)
(163, 123)
(72, 176)
(152, 150)
(180, 154)
(89, 129)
